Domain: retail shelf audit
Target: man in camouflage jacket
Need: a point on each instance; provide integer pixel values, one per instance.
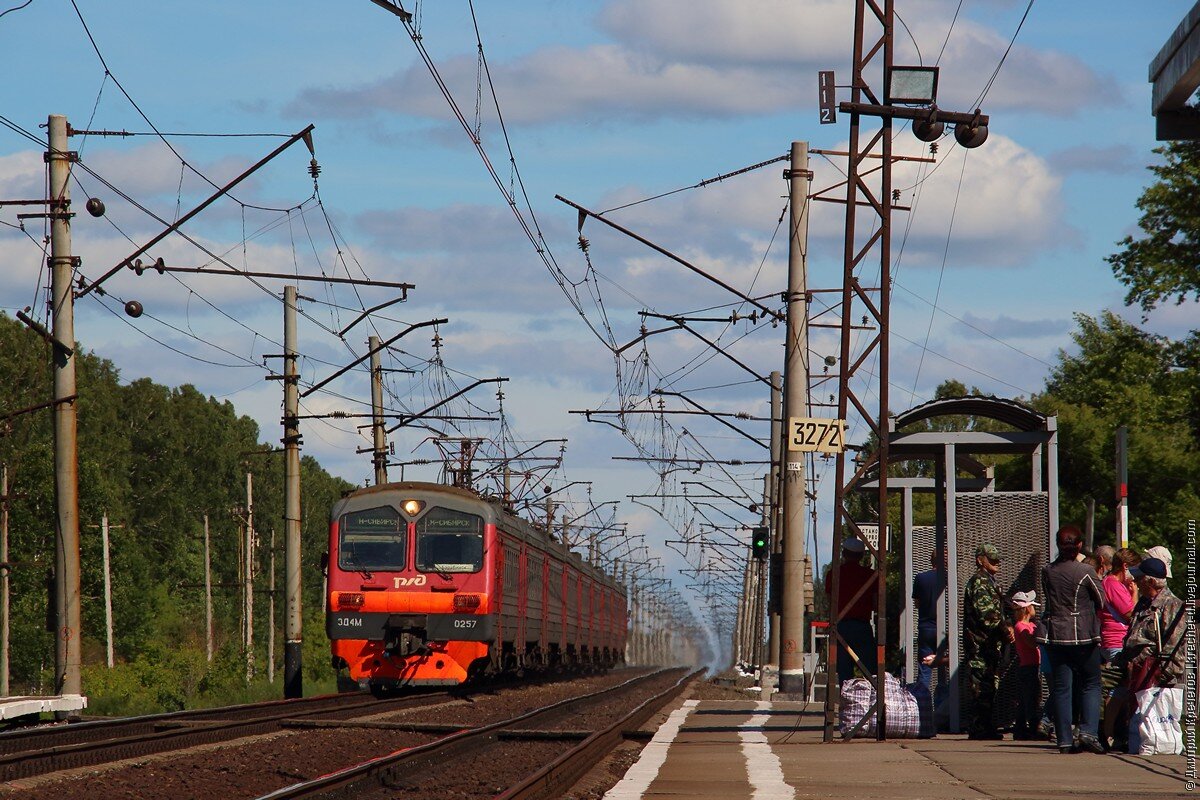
(985, 630)
(1158, 625)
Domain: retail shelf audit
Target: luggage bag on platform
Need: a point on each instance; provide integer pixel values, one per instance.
(904, 717)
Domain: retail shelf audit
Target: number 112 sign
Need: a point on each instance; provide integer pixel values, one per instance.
(809, 435)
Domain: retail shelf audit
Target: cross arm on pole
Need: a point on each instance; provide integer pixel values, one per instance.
(587, 213)
(718, 349)
(305, 135)
(408, 420)
(717, 417)
(372, 352)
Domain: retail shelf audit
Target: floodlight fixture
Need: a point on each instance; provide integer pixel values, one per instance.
(911, 86)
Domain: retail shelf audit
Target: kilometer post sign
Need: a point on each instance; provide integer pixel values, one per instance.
(816, 435)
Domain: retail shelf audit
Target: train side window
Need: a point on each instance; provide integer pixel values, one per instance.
(449, 541)
(372, 539)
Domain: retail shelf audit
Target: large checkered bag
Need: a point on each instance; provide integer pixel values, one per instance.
(903, 712)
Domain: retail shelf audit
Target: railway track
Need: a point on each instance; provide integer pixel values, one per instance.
(38, 751)
(425, 768)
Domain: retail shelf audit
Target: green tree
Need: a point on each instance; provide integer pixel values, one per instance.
(1164, 264)
(1124, 376)
(156, 460)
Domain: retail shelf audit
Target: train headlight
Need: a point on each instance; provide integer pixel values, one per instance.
(413, 507)
(350, 600)
(467, 602)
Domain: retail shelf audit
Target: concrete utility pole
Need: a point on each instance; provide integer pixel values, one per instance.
(739, 624)
(761, 645)
(271, 613)
(208, 622)
(68, 655)
(4, 572)
(248, 566)
(108, 619)
(791, 656)
(771, 506)
(378, 432)
(292, 647)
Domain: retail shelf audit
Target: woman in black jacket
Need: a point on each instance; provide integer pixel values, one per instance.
(1070, 630)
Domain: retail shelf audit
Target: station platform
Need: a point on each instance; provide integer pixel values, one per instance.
(763, 750)
(12, 707)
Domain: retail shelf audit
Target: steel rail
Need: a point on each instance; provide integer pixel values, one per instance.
(372, 773)
(554, 779)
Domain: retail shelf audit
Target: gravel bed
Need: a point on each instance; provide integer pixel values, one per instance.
(707, 690)
(595, 718)
(483, 774)
(244, 771)
(484, 709)
(254, 767)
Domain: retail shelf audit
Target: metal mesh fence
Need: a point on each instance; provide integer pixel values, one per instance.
(1018, 523)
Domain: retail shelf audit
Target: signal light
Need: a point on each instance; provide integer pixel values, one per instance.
(350, 600)
(413, 507)
(760, 543)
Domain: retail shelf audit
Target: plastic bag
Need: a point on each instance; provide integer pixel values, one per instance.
(1154, 728)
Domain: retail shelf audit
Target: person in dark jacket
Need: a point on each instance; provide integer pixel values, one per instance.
(927, 589)
(1071, 632)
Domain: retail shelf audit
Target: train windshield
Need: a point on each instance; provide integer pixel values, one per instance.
(373, 539)
(449, 541)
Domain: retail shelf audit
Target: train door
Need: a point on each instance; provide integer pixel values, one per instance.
(522, 603)
(544, 639)
(564, 634)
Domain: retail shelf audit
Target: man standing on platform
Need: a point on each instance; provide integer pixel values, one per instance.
(855, 625)
(985, 630)
(927, 589)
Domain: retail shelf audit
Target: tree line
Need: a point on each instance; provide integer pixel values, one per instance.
(157, 460)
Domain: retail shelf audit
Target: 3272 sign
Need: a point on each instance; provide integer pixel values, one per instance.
(815, 435)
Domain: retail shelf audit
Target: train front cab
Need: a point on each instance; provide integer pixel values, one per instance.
(408, 599)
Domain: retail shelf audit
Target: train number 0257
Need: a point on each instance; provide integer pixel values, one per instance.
(465, 623)
(809, 434)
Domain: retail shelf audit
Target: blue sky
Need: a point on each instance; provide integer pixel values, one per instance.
(605, 102)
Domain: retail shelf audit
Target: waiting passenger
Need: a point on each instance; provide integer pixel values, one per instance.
(855, 623)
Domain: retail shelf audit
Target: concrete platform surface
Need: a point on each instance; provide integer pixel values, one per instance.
(774, 751)
(11, 707)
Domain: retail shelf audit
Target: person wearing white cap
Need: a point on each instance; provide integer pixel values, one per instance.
(855, 623)
(1029, 658)
(1162, 554)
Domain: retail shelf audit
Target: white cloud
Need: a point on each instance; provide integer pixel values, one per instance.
(674, 59)
(1008, 207)
(764, 32)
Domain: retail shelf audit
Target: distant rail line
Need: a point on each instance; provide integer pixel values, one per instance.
(37, 751)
